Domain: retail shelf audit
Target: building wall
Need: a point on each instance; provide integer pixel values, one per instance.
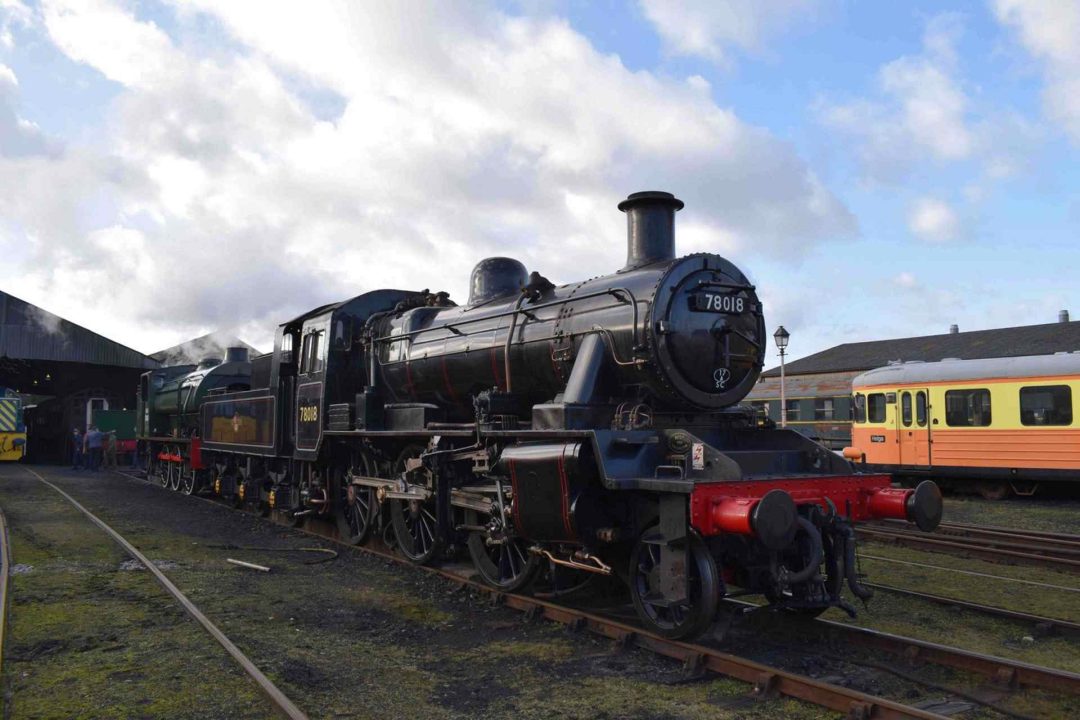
(819, 405)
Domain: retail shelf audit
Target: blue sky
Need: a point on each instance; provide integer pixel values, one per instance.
(879, 169)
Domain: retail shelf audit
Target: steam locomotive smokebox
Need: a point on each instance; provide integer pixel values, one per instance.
(549, 479)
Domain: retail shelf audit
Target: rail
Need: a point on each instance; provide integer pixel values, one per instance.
(281, 702)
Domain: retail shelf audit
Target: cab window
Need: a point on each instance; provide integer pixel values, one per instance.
(313, 353)
(875, 407)
(1046, 405)
(860, 408)
(305, 352)
(318, 352)
(967, 408)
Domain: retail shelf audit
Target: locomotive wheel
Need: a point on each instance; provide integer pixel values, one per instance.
(187, 480)
(176, 470)
(170, 470)
(354, 505)
(416, 527)
(508, 566)
(155, 471)
(686, 620)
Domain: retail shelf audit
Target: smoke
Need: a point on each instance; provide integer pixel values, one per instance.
(46, 322)
(194, 351)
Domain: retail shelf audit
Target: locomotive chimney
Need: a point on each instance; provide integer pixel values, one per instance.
(650, 227)
(1063, 316)
(236, 354)
(954, 329)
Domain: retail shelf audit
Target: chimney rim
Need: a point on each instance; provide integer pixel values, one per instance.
(649, 197)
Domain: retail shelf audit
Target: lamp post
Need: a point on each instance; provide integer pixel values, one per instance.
(781, 336)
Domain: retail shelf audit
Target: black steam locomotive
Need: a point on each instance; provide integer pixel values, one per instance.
(593, 426)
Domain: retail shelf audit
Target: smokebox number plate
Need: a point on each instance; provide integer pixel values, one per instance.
(718, 303)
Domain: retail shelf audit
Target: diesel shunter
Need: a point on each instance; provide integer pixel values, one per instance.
(595, 425)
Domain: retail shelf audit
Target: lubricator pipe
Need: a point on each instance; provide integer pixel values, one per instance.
(921, 506)
(773, 519)
(816, 554)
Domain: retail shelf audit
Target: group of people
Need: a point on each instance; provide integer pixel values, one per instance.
(89, 449)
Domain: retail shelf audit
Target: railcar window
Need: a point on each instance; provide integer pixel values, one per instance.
(1046, 405)
(823, 409)
(875, 407)
(920, 408)
(967, 408)
(860, 408)
(905, 409)
(792, 410)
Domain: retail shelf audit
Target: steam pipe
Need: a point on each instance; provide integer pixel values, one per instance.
(510, 338)
(857, 589)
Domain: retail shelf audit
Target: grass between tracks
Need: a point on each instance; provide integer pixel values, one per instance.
(89, 639)
(354, 637)
(1023, 513)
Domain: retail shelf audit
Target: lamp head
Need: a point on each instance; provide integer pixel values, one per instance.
(781, 336)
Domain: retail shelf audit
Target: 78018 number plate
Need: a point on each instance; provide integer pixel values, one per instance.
(729, 304)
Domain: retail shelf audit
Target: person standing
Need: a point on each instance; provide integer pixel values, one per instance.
(94, 440)
(110, 450)
(76, 449)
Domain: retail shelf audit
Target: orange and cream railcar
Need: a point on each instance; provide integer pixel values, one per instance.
(999, 424)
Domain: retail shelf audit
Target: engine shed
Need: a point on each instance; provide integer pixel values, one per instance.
(63, 372)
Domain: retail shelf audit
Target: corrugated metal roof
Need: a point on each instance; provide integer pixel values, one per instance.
(29, 333)
(1002, 342)
(982, 369)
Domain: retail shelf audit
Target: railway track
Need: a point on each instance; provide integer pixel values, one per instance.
(1002, 672)
(1050, 624)
(280, 702)
(1055, 551)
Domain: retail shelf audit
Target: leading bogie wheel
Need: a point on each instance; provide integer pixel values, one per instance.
(689, 618)
(355, 506)
(416, 526)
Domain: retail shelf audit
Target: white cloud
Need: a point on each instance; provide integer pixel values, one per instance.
(217, 196)
(905, 280)
(933, 220)
(1049, 29)
(710, 28)
(922, 110)
(18, 136)
(12, 13)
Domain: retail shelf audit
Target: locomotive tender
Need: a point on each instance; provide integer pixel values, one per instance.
(594, 426)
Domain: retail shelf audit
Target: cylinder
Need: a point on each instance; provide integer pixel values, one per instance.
(650, 227)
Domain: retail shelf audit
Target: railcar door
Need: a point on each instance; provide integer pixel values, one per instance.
(913, 428)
